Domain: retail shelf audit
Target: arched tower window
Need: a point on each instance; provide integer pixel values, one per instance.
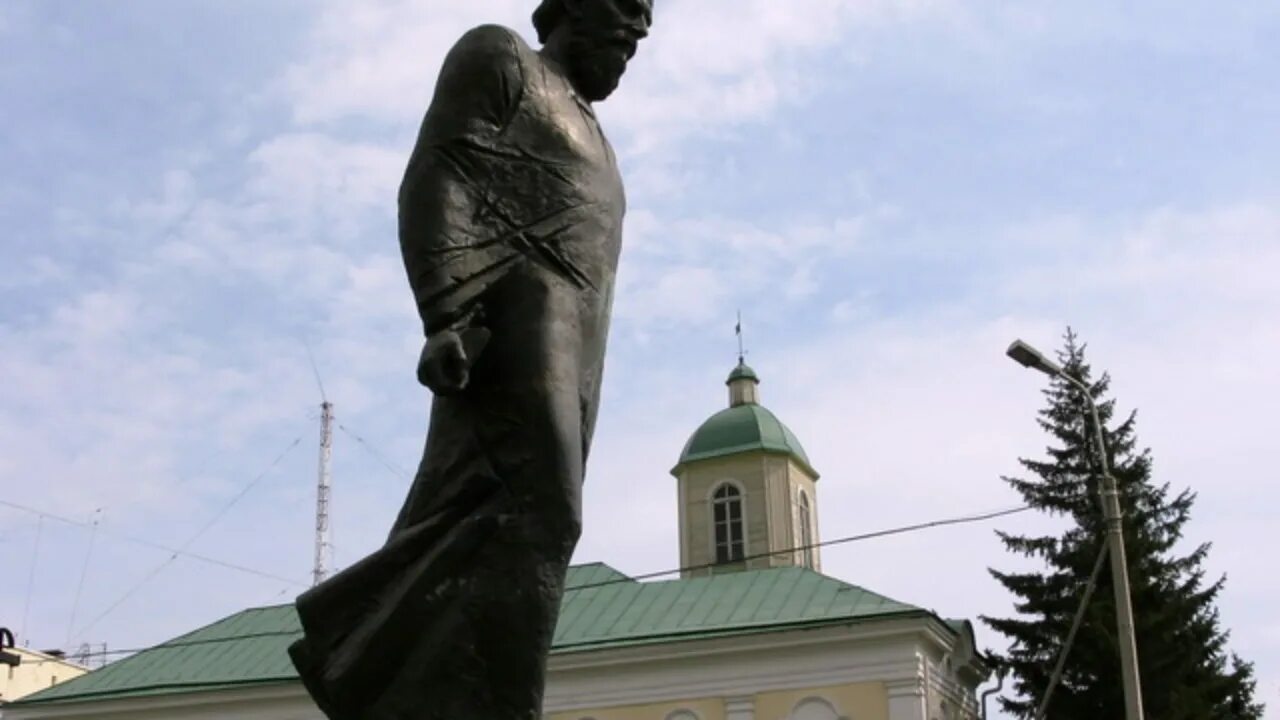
(806, 529)
(726, 515)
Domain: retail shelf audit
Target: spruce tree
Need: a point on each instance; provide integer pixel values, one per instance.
(1186, 671)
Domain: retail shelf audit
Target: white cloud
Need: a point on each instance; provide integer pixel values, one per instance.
(32, 272)
(159, 383)
(691, 270)
(310, 173)
(378, 61)
(708, 65)
(1165, 249)
(713, 64)
(9, 17)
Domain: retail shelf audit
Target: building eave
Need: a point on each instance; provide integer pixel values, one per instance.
(875, 649)
(720, 454)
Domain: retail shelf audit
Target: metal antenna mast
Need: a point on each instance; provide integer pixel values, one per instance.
(323, 547)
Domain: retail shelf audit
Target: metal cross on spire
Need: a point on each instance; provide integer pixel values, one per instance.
(737, 330)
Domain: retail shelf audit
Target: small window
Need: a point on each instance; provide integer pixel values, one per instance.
(730, 535)
(806, 530)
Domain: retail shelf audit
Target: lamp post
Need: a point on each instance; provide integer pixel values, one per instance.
(1030, 357)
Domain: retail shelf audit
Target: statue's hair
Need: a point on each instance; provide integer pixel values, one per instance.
(548, 15)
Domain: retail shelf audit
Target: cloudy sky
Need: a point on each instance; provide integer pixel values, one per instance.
(193, 194)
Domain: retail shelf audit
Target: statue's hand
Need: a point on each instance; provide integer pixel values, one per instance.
(445, 365)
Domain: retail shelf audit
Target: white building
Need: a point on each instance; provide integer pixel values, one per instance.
(34, 671)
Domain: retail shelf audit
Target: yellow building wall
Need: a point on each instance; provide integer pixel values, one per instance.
(696, 484)
(771, 483)
(858, 701)
(707, 709)
(797, 480)
(37, 672)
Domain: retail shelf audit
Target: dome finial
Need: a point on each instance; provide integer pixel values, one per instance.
(742, 381)
(737, 330)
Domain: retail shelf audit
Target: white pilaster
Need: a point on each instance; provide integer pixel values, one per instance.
(740, 708)
(907, 699)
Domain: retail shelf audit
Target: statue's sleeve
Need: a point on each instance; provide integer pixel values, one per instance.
(451, 247)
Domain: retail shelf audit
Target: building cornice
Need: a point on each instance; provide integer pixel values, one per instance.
(285, 700)
(731, 667)
(888, 651)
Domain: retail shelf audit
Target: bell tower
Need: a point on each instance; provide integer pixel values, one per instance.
(747, 493)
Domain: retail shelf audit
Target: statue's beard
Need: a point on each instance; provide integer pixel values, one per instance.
(596, 64)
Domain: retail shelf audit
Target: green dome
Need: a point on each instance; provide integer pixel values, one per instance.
(743, 428)
(742, 372)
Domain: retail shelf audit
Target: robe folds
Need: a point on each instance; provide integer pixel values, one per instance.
(510, 219)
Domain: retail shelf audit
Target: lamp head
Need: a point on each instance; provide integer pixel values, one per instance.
(1028, 356)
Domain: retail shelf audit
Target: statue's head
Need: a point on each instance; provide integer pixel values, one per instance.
(594, 39)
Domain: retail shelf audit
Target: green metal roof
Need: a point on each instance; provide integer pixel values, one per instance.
(601, 608)
(630, 613)
(743, 428)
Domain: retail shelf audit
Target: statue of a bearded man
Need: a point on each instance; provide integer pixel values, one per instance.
(510, 227)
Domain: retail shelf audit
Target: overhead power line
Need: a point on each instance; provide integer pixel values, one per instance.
(190, 541)
(825, 543)
(1056, 676)
(391, 467)
(31, 578)
(174, 553)
(84, 572)
(315, 369)
(964, 519)
(153, 545)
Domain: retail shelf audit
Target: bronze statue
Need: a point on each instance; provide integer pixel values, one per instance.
(510, 227)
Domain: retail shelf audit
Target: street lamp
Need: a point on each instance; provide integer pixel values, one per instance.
(1028, 356)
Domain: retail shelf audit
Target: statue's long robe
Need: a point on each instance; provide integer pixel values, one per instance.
(511, 205)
